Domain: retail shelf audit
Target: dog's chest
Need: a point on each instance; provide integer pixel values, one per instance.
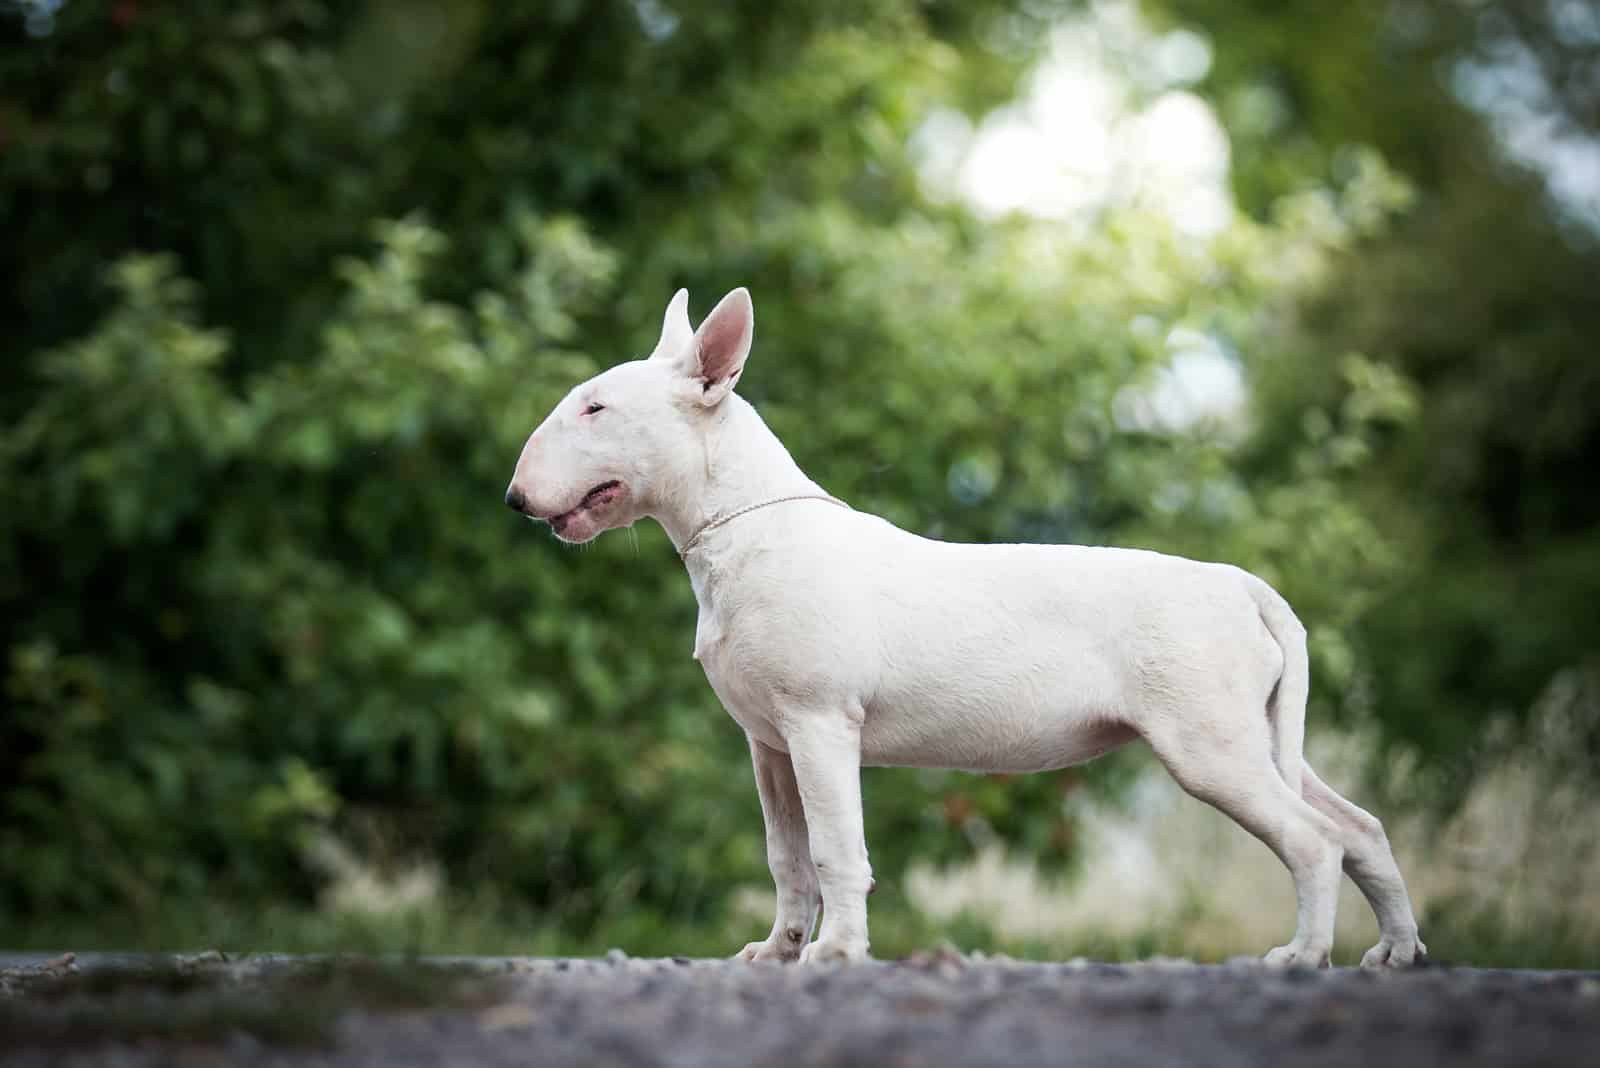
(743, 696)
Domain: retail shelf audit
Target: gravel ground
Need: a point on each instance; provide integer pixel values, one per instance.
(938, 1009)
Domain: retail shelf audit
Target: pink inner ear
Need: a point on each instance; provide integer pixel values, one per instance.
(723, 342)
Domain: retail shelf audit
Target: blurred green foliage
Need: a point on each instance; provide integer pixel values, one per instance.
(287, 285)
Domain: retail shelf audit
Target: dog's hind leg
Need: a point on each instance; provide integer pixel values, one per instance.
(1370, 862)
(1225, 764)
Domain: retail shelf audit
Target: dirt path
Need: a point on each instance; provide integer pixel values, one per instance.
(937, 1010)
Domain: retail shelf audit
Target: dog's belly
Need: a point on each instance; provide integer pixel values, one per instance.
(1042, 752)
(989, 694)
(1015, 739)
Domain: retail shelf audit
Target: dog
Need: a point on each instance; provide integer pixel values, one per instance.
(837, 641)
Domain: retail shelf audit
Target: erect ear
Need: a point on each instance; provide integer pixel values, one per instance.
(721, 346)
(676, 333)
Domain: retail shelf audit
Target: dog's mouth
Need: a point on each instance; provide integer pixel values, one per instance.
(601, 495)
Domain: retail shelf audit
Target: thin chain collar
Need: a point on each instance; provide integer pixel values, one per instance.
(713, 524)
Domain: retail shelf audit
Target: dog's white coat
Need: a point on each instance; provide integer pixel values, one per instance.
(837, 640)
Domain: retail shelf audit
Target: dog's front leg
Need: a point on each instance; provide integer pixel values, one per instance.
(788, 857)
(825, 748)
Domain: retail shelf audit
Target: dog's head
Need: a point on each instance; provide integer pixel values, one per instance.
(627, 439)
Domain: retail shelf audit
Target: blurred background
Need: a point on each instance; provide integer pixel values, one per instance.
(1312, 288)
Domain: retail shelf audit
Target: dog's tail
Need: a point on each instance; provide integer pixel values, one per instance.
(1286, 706)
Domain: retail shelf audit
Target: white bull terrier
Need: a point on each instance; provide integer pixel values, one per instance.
(837, 640)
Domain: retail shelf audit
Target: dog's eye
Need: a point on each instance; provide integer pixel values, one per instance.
(593, 408)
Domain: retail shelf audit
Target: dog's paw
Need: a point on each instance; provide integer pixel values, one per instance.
(1401, 951)
(1295, 955)
(782, 951)
(834, 951)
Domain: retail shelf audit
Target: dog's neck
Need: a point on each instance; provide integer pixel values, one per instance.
(743, 464)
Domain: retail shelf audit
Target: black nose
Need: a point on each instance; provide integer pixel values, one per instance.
(515, 500)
